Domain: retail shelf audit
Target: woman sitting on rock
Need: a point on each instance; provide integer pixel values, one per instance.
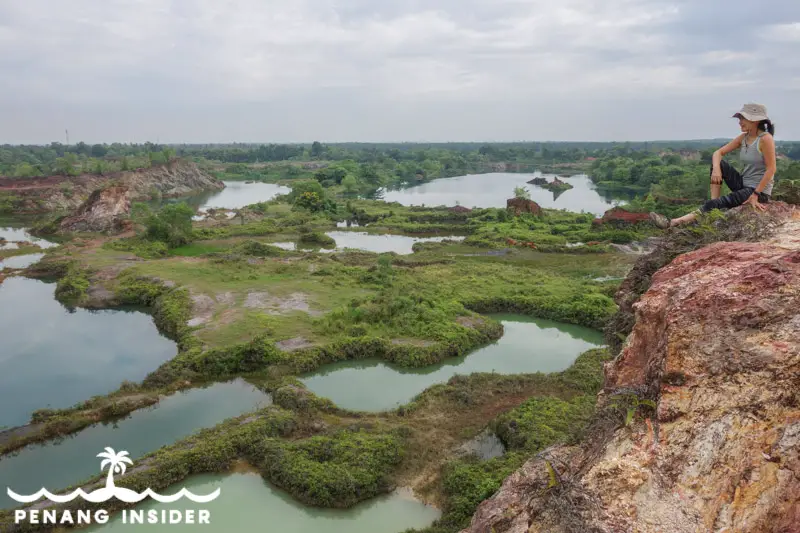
(754, 185)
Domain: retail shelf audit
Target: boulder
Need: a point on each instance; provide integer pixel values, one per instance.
(538, 181)
(521, 205)
(619, 216)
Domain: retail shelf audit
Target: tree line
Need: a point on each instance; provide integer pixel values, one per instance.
(436, 158)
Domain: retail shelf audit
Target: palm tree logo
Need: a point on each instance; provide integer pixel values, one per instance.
(116, 465)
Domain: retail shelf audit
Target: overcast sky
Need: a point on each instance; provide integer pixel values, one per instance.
(393, 70)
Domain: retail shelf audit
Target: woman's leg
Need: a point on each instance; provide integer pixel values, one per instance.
(729, 201)
(685, 219)
(739, 194)
(730, 176)
(716, 188)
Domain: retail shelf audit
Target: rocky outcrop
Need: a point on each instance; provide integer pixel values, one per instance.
(716, 346)
(105, 211)
(68, 193)
(538, 181)
(621, 217)
(555, 185)
(558, 185)
(521, 205)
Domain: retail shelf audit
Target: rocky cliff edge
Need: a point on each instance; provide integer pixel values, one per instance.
(716, 349)
(60, 193)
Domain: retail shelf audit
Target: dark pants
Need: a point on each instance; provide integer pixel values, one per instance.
(739, 193)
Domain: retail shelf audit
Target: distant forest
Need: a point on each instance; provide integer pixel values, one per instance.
(57, 158)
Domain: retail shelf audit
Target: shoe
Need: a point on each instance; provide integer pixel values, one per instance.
(659, 220)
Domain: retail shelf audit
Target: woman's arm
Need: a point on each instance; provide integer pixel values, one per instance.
(725, 150)
(767, 145)
(716, 159)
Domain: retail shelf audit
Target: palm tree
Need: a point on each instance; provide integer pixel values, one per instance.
(116, 464)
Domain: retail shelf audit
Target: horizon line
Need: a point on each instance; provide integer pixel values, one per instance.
(173, 143)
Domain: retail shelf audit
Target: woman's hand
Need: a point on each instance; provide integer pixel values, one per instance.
(716, 176)
(753, 200)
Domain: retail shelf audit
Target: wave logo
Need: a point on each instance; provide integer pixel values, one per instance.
(116, 465)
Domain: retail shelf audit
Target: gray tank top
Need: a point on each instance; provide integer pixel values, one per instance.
(754, 165)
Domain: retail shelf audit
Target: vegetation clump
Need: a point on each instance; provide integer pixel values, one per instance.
(72, 286)
(337, 470)
(171, 225)
(316, 238)
(257, 249)
(540, 421)
(139, 246)
(788, 191)
(310, 196)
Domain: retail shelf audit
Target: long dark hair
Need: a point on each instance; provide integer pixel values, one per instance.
(766, 125)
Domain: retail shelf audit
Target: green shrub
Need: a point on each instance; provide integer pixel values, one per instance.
(72, 287)
(171, 312)
(333, 471)
(247, 357)
(172, 224)
(258, 249)
(138, 290)
(467, 482)
(542, 421)
(787, 191)
(317, 238)
(139, 246)
(311, 196)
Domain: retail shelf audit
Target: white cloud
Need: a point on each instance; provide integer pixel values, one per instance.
(783, 32)
(191, 54)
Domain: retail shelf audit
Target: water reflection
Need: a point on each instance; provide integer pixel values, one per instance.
(492, 190)
(55, 358)
(235, 195)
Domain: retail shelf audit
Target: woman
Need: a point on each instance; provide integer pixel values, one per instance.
(754, 185)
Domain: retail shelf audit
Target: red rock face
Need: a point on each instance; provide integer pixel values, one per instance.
(520, 205)
(717, 340)
(619, 215)
(57, 193)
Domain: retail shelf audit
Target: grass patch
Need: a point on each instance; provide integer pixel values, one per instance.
(24, 250)
(196, 249)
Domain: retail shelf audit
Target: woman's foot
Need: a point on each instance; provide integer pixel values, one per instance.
(660, 220)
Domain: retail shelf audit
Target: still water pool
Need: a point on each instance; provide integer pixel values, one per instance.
(528, 345)
(53, 357)
(400, 244)
(57, 466)
(248, 504)
(492, 190)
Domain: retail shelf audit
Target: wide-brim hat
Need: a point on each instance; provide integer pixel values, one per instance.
(752, 112)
